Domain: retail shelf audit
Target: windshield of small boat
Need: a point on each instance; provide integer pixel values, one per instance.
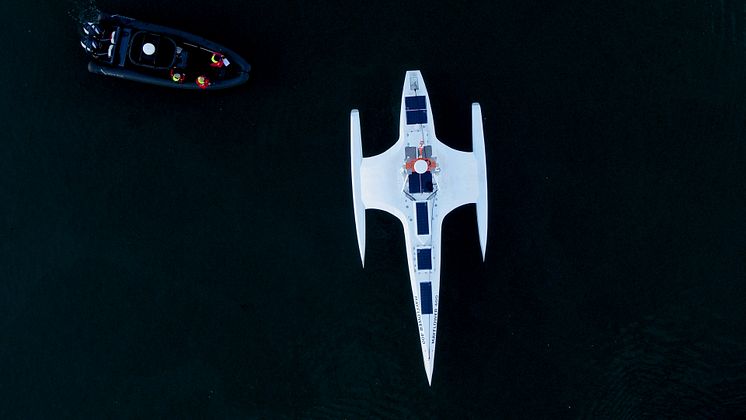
(152, 50)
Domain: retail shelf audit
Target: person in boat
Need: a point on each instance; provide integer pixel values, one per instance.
(203, 82)
(177, 77)
(216, 60)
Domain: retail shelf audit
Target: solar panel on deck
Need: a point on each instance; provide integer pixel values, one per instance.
(426, 182)
(423, 227)
(424, 259)
(426, 296)
(415, 102)
(414, 183)
(421, 183)
(417, 117)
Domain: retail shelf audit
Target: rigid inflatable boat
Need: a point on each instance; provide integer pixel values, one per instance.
(129, 49)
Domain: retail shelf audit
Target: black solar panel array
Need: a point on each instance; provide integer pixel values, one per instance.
(420, 183)
(416, 108)
(423, 221)
(426, 296)
(424, 259)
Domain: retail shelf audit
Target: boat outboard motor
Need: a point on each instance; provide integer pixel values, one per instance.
(90, 45)
(93, 47)
(91, 29)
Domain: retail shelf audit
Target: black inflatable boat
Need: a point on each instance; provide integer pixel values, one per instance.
(127, 48)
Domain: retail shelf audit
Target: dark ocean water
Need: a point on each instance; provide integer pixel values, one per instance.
(185, 255)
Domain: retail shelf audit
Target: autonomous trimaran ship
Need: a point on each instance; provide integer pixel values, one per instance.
(420, 180)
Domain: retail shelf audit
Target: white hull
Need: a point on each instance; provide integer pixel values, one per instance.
(420, 180)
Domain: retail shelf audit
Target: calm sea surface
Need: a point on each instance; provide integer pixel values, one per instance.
(192, 254)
